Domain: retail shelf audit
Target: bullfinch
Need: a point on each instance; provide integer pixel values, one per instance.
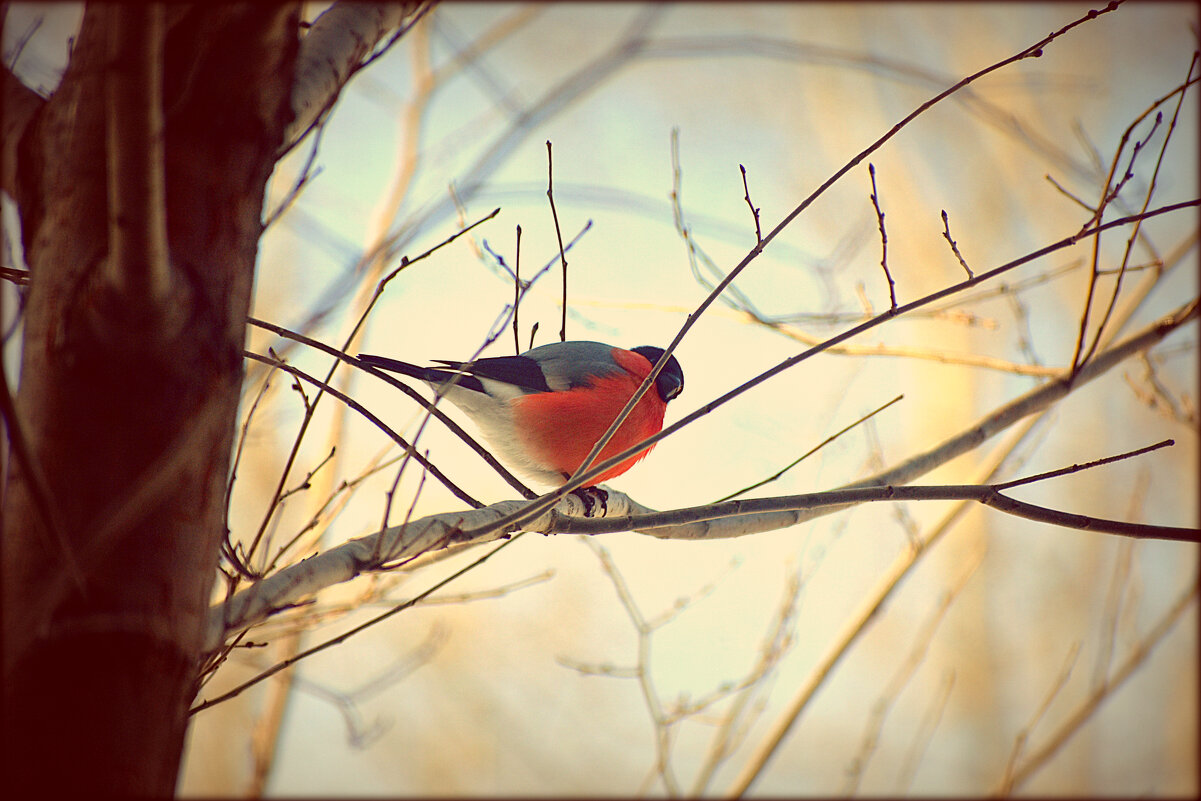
(544, 410)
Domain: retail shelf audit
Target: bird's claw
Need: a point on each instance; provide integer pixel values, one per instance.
(595, 500)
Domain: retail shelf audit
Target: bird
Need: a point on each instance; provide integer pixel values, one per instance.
(545, 409)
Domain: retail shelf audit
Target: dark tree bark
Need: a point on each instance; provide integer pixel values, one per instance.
(130, 380)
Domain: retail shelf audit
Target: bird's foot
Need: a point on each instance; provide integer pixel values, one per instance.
(595, 500)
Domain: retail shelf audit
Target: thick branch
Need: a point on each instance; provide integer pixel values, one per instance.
(333, 50)
(688, 523)
(378, 551)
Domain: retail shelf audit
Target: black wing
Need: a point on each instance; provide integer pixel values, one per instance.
(520, 371)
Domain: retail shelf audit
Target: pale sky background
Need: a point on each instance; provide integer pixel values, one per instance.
(481, 698)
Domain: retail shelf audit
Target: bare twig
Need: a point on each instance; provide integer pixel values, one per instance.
(309, 411)
(517, 294)
(642, 672)
(751, 206)
(1063, 191)
(1108, 195)
(1057, 686)
(323, 386)
(810, 452)
(1016, 775)
(1159, 397)
(22, 40)
(921, 737)
(348, 634)
(736, 299)
(242, 435)
(1136, 229)
(550, 195)
(336, 500)
(308, 173)
(904, 673)
(946, 232)
(892, 287)
(1025, 340)
(732, 728)
(1078, 467)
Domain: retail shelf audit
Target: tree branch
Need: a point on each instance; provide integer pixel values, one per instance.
(374, 552)
(691, 523)
(335, 48)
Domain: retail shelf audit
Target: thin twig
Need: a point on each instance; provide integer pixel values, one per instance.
(1063, 471)
(1139, 654)
(1063, 191)
(946, 232)
(517, 293)
(923, 734)
(1135, 231)
(1107, 196)
(242, 437)
(308, 173)
(346, 635)
(776, 643)
(736, 298)
(308, 417)
(810, 452)
(892, 287)
(23, 39)
(642, 672)
(550, 195)
(751, 206)
(920, 646)
(324, 386)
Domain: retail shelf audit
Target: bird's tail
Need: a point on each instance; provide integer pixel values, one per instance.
(431, 374)
(397, 366)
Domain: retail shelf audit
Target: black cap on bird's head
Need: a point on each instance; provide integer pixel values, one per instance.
(670, 381)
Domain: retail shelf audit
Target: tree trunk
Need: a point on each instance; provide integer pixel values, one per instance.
(114, 508)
